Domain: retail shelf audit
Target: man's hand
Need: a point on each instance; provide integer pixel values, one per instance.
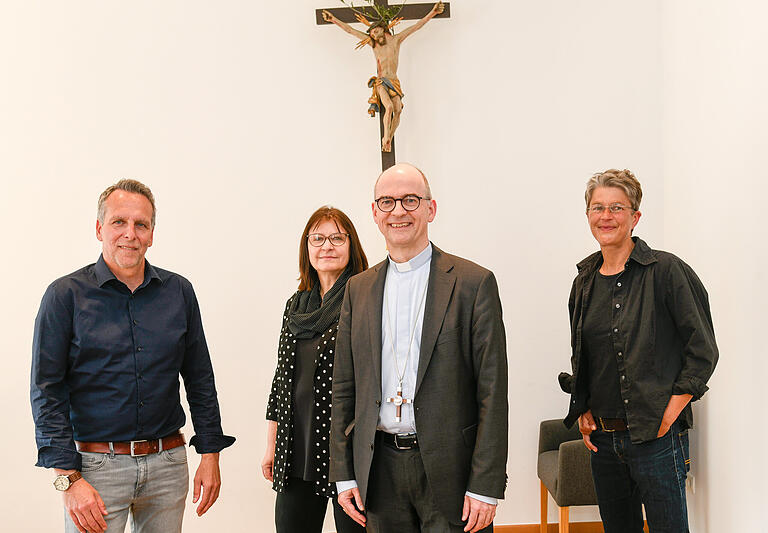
(328, 16)
(587, 426)
(347, 500)
(477, 514)
(207, 478)
(85, 507)
(438, 8)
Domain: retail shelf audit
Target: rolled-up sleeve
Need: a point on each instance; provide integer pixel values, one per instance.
(197, 372)
(49, 394)
(688, 302)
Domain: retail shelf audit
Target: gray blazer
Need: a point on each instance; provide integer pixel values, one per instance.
(460, 405)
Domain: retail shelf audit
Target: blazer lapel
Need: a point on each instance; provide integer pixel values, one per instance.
(439, 290)
(374, 316)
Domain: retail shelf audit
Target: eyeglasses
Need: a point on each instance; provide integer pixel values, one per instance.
(599, 209)
(318, 239)
(410, 202)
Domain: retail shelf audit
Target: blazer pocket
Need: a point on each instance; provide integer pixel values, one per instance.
(470, 435)
(349, 429)
(448, 336)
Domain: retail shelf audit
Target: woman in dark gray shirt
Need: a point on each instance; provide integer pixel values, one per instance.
(643, 349)
(299, 409)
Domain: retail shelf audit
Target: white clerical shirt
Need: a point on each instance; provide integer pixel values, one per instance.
(405, 292)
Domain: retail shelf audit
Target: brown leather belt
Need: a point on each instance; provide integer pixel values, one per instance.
(612, 424)
(134, 448)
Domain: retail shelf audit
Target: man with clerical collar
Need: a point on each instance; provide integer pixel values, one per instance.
(419, 420)
(109, 344)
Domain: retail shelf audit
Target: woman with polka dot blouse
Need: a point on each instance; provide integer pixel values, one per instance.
(299, 408)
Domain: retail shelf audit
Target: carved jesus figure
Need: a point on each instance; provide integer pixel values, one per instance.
(387, 92)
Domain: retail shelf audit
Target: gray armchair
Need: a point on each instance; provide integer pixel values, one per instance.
(564, 470)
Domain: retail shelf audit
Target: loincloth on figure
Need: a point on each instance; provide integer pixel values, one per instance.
(393, 88)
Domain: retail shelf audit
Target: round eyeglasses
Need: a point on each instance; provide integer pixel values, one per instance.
(318, 239)
(410, 202)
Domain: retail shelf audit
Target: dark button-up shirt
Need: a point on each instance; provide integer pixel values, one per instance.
(661, 336)
(106, 364)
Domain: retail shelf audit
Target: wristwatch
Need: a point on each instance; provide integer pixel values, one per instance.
(63, 482)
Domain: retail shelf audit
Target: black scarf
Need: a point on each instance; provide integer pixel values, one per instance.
(310, 314)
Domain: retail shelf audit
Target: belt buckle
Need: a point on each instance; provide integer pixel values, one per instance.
(602, 425)
(397, 444)
(133, 442)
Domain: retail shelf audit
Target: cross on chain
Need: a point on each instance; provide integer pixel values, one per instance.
(408, 12)
(399, 401)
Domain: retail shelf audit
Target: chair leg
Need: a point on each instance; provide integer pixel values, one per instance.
(564, 519)
(544, 496)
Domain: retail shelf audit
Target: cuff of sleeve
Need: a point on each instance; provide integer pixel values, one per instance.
(341, 486)
(484, 499)
(64, 458)
(692, 385)
(211, 443)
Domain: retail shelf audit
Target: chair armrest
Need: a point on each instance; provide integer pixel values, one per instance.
(575, 485)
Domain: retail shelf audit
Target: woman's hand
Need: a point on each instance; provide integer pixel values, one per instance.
(587, 426)
(268, 463)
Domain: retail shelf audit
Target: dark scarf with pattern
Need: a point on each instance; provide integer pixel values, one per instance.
(310, 314)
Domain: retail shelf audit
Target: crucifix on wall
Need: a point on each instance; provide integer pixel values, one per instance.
(380, 18)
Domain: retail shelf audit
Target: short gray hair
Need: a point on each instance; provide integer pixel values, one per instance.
(127, 185)
(621, 179)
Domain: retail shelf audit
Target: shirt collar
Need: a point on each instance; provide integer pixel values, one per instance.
(415, 263)
(641, 254)
(104, 274)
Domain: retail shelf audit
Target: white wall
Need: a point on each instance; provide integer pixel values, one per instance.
(715, 156)
(243, 126)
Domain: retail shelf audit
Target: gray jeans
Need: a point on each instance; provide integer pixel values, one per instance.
(151, 490)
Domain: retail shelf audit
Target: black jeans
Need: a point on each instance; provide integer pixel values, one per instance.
(651, 473)
(299, 510)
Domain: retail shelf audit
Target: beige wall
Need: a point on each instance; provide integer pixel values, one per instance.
(243, 126)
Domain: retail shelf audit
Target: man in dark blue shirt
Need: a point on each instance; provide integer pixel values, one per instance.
(109, 344)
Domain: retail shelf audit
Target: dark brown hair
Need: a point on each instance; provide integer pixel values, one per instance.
(357, 260)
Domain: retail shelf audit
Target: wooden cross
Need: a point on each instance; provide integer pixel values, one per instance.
(408, 12)
(399, 401)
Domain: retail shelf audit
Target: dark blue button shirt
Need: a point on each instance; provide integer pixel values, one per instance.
(106, 364)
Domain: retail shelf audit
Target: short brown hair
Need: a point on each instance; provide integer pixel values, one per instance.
(126, 185)
(357, 260)
(621, 179)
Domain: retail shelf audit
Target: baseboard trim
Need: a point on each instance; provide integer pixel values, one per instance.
(575, 527)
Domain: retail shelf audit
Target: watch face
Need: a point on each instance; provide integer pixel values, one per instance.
(61, 482)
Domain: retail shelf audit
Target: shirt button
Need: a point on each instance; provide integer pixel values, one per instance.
(618, 284)
(623, 378)
(378, 402)
(626, 401)
(141, 404)
(618, 305)
(620, 354)
(615, 330)
(135, 322)
(139, 349)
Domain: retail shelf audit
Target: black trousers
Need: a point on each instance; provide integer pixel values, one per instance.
(299, 510)
(399, 497)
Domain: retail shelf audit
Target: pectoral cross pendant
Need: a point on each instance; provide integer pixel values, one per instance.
(399, 401)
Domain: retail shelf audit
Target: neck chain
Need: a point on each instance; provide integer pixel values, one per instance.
(399, 374)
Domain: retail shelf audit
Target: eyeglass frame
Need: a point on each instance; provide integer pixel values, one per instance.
(420, 198)
(614, 209)
(327, 238)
